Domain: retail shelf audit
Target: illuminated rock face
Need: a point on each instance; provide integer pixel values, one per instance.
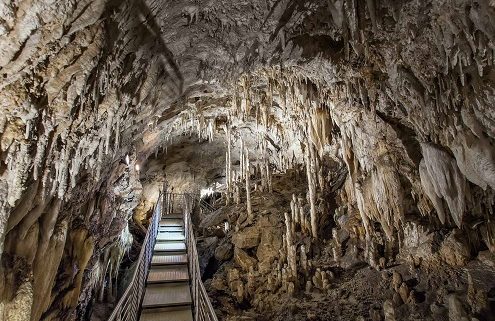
(383, 111)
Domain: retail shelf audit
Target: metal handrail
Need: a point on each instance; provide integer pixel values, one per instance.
(129, 305)
(205, 206)
(173, 202)
(203, 309)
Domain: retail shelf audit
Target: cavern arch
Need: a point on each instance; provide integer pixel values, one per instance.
(350, 144)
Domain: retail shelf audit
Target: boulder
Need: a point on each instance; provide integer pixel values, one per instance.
(457, 311)
(389, 311)
(404, 292)
(487, 258)
(215, 218)
(454, 250)
(217, 283)
(247, 238)
(268, 249)
(224, 252)
(244, 260)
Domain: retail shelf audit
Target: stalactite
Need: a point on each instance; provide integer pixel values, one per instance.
(358, 190)
(48, 221)
(108, 133)
(31, 218)
(63, 170)
(441, 178)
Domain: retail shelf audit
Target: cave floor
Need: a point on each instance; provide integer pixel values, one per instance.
(356, 291)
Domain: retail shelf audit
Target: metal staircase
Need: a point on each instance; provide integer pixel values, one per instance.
(166, 284)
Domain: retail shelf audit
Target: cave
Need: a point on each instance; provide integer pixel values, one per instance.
(309, 159)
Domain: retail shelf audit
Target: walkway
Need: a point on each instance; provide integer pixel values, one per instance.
(168, 295)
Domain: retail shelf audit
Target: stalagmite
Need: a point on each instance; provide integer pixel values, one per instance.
(228, 171)
(337, 247)
(291, 248)
(294, 209)
(237, 194)
(247, 177)
(304, 259)
(311, 187)
(300, 209)
(242, 160)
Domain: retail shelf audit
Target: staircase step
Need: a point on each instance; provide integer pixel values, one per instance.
(170, 259)
(170, 247)
(177, 314)
(160, 253)
(176, 215)
(166, 274)
(166, 295)
(171, 222)
(170, 236)
(166, 229)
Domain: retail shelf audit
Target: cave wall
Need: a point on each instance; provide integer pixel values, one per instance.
(75, 87)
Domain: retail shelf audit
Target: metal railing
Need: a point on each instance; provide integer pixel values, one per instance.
(129, 305)
(203, 310)
(174, 202)
(205, 207)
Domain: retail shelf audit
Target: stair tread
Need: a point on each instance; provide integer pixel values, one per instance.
(171, 222)
(184, 314)
(168, 294)
(175, 215)
(168, 229)
(172, 273)
(173, 246)
(171, 259)
(170, 236)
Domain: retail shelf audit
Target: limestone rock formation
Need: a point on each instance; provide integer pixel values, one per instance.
(329, 137)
